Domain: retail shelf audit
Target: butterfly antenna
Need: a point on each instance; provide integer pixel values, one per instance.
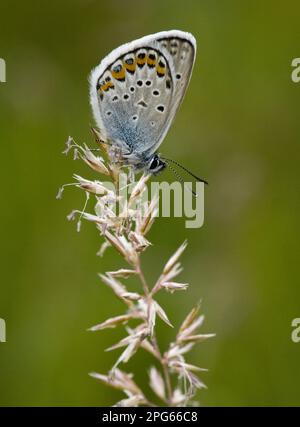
(185, 169)
(180, 179)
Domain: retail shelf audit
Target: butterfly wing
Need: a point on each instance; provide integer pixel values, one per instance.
(136, 90)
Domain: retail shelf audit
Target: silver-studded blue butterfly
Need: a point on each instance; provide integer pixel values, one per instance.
(135, 93)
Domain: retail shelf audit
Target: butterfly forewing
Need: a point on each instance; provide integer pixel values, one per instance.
(136, 91)
(182, 51)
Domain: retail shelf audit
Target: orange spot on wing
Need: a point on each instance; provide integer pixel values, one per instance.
(141, 61)
(161, 71)
(107, 86)
(151, 62)
(130, 67)
(119, 75)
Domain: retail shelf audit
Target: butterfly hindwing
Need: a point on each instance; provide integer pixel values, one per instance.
(134, 96)
(137, 89)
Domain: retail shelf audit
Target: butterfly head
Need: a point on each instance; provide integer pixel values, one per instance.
(155, 164)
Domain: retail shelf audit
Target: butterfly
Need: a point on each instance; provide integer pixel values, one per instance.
(136, 91)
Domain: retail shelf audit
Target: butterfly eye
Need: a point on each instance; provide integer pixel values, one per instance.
(154, 163)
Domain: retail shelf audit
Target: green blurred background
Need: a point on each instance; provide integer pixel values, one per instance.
(238, 127)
